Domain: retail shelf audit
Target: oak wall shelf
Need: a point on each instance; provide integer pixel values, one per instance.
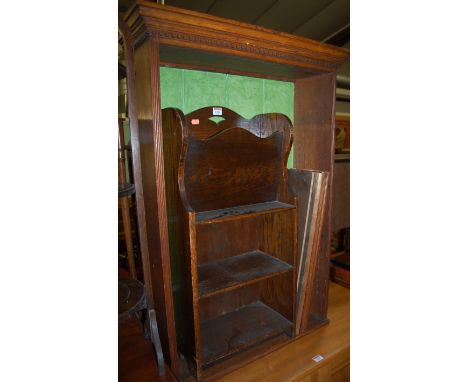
(238, 259)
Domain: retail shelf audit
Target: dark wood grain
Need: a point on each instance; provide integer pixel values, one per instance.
(232, 168)
(238, 212)
(172, 121)
(243, 328)
(341, 195)
(272, 232)
(233, 172)
(314, 115)
(150, 143)
(201, 125)
(310, 187)
(237, 271)
(232, 299)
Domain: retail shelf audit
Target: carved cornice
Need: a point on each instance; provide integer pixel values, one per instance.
(183, 28)
(140, 38)
(243, 47)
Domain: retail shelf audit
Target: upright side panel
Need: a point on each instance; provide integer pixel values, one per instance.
(149, 120)
(178, 231)
(314, 115)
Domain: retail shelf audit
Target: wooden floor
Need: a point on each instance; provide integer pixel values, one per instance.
(292, 362)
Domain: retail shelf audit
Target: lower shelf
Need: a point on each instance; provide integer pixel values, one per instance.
(239, 330)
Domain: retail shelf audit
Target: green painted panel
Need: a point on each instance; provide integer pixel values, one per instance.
(172, 88)
(245, 95)
(279, 98)
(203, 89)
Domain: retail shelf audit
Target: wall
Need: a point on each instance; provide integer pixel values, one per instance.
(190, 90)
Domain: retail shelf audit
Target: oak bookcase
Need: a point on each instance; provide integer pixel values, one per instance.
(159, 35)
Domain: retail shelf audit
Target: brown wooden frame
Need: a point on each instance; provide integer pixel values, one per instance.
(167, 36)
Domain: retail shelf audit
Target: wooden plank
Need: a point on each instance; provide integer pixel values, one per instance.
(238, 271)
(156, 261)
(241, 329)
(314, 116)
(310, 188)
(240, 211)
(234, 167)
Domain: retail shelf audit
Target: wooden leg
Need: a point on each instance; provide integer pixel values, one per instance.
(128, 235)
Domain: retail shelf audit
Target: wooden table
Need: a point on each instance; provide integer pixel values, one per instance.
(293, 362)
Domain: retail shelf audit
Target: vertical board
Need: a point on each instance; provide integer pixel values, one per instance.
(315, 144)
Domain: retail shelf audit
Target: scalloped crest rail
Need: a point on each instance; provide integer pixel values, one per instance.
(164, 35)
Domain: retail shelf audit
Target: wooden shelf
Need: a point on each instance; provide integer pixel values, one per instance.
(237, 271)
(233, 212)
(228, 334)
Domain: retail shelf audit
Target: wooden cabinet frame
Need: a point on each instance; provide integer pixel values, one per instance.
(159, 35)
